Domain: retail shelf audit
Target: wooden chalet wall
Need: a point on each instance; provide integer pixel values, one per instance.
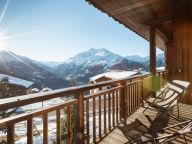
(180, 50)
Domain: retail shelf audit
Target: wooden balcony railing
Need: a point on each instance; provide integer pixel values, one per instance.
(90, 116)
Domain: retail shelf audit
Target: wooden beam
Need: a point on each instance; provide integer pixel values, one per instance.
(166, 35)
(130, 7)
(156, 21)
(152, 50)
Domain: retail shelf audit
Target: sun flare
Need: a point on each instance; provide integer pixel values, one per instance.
(2, 41)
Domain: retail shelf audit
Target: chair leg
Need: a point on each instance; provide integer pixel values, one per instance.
(178, 110)
(145, 109)
(185, 139)
(158, 115)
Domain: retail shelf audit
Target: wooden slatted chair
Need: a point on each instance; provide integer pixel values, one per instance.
(138, 133)
(167, 98)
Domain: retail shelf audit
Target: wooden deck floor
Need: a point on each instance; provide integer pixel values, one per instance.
(117, 137)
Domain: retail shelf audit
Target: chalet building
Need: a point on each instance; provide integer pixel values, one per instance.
(111, 75)
(11, 86)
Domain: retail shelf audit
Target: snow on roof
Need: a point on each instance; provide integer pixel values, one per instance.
(35, 90)
(160, 68)
(46, 89)
(16, 81)
(114, 75)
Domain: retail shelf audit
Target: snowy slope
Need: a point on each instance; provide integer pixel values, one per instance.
(93, 57)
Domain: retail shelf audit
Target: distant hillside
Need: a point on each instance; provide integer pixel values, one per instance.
(145, 60)
(25, 68)
(137, 58)
(51, 64)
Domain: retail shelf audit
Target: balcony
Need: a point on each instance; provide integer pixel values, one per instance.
(90, 118)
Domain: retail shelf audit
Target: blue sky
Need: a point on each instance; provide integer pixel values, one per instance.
(54, 30)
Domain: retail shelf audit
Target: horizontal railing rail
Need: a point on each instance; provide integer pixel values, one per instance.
(92, 113)
(10, 122)
(39, 97)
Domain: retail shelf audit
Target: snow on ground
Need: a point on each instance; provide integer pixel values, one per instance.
(37, 139)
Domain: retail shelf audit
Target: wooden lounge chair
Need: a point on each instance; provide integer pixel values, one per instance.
(167, 98)
(138, 133)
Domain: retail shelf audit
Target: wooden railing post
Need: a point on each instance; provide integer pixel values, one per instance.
(158, 81)
(10, 134)
(142, 91)
(58, 118)
(79, 119)
(123, 103)
(45, 128)
(30, 130)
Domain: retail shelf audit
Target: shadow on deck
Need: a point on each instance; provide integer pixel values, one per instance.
(117, 137)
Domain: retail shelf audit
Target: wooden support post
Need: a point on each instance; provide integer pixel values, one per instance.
(169, 60)
(152, 50)
(123, 103)
(79, 119)
(153, 57)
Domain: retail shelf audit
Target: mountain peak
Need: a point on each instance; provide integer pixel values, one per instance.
(97, 50)
(94, 56)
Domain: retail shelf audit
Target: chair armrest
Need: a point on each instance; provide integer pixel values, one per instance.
(152, 104)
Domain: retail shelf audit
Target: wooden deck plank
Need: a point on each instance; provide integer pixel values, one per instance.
(117, 137)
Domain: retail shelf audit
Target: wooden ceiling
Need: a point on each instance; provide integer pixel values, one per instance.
(138, 15)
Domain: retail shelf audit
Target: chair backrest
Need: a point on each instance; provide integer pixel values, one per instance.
(174, 89)
(180, 86)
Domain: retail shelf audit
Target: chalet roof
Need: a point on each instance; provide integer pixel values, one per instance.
(160, 69)
(35, 90)
(114, 75)
(138, 15)
(46, 89)
(16, 81)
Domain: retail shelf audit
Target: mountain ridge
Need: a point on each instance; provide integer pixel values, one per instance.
(76, 70)
(27, 69)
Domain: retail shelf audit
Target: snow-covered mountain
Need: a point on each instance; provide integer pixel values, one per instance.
(94, 57)
(92, 62)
